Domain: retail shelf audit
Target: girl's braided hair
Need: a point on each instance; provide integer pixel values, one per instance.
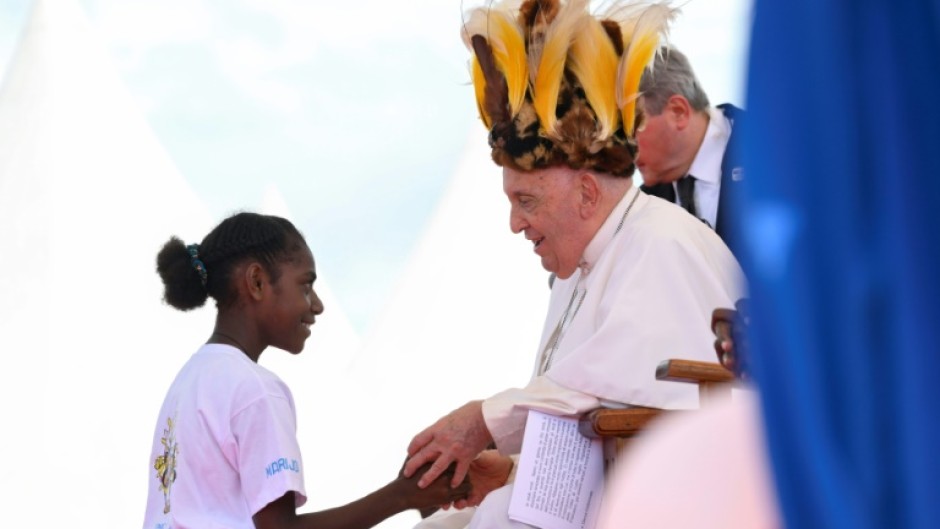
(267, 239)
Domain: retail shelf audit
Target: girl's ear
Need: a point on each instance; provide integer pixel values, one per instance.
(255, 276)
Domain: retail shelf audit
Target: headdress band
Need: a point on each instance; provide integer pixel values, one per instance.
(196, 263)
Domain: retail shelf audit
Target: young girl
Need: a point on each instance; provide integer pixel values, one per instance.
(225, 452)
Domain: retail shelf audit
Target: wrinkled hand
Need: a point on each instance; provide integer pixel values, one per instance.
(436, 493)
(488, 472)
(455, 438)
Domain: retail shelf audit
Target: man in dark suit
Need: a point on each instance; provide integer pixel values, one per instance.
(687, 152)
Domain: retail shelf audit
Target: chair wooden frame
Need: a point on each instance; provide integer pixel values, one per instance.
(713, 381)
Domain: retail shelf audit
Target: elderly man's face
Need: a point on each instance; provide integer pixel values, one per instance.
(544, 206)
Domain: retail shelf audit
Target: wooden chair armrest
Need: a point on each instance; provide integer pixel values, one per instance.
(712, 378)
(627, 422)
(606, 422)
(693, 371)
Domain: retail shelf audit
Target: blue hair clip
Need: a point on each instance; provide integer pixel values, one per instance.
(197, 264)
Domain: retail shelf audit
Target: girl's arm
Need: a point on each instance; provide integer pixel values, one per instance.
(398, 496)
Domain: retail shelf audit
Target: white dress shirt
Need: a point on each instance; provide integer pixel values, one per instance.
(706, 167)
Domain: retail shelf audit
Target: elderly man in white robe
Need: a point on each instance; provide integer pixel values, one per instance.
(637, 277)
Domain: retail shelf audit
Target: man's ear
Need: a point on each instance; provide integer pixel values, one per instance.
(679, 111)
(255, 277)
(588, 194)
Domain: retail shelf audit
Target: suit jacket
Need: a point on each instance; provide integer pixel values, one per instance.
(732, 174)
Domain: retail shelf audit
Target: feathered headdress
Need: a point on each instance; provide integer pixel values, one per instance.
(555, 84)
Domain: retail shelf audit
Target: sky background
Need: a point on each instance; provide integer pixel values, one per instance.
(356, 112)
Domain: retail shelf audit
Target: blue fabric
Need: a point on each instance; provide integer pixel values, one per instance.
(842, 247)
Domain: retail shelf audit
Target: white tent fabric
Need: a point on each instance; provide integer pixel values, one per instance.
(464, 321)
(87, 198)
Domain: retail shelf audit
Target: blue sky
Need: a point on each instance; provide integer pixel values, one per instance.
(357, 112)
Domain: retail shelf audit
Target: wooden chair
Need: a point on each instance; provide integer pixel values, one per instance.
(713, 383)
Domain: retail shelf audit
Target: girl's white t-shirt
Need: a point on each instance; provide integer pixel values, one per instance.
(225, 444)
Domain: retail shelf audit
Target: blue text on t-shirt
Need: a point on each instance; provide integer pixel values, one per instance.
(282, 464)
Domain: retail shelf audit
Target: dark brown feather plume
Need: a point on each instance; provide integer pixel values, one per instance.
(536, 14)
(496, 94)
(613, 31)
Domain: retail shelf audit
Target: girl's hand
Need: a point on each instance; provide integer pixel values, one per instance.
(439, 492)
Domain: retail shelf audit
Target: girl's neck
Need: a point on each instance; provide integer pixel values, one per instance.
(232, 338)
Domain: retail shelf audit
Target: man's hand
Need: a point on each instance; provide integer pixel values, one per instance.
(488, 472)
(723, 327)
(457, 437)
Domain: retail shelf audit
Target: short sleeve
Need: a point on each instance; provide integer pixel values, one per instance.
(269, 459)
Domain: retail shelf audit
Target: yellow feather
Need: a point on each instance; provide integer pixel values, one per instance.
(479, 89)
(649, 26)
(509, 51)
(499, 27)
(625, 15)
(640, 54)
(551, 63)
(594, 61)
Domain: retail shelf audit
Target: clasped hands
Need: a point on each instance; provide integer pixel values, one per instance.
(460, 437)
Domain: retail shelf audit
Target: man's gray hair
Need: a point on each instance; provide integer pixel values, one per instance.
(670, 74)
